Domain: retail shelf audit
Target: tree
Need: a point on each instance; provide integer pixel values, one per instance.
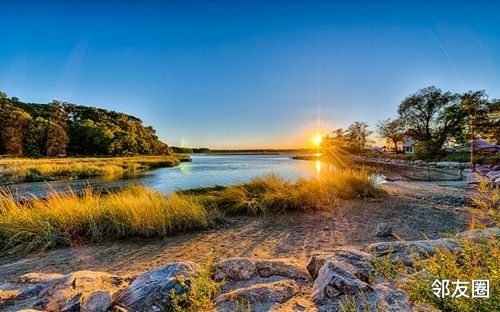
(35, 138)
(357, 135)
(13, 124)
(394, 129)
(57, 135)
(431, 117)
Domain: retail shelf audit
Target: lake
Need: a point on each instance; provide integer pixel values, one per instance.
(204, 170)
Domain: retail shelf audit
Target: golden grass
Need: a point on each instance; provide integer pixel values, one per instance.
(42, 169)
(273, 194)
(67, 218)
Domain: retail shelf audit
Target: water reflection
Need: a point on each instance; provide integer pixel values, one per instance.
(204, 170)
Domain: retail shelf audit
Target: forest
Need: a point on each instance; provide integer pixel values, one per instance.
(61, 128)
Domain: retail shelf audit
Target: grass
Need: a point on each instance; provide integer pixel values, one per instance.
(200, 294)
(273, 194)
(477, 259)
(30, 170)
(67, 219)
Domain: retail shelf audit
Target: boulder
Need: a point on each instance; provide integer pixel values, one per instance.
(97, 301)
(284, 268)
(333, 281)
(295, 304)
(355, 261)
(386, 297)
(408, 252)
(236, 269)
(55, 292)
(152, 290)
(260, 297)
(493, 175)
(383, 229)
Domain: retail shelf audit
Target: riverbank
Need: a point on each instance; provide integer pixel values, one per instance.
(66, 219)
(16, 170)
(415, 210)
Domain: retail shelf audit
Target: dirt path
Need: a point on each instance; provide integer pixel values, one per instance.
(415, 210)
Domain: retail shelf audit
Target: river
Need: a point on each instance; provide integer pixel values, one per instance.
(202, 171)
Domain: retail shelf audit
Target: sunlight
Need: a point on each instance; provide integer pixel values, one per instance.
(318, 166)
(317, 139)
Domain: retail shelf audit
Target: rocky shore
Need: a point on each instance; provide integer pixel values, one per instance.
(250, 284)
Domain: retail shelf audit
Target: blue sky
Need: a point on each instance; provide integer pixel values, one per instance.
(226, 74)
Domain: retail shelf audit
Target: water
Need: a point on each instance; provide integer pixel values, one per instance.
(204, 170)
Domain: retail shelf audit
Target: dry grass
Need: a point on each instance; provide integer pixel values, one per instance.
(66, 218)
(273, 194)
(42, 169)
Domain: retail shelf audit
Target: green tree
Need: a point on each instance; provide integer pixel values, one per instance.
(393, 129)
(432, 117)
(35, 138)
(357, 135)
(57, 136)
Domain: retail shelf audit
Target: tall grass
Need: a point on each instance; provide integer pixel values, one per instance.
(66, 219)
(29, 170)
(273, 194)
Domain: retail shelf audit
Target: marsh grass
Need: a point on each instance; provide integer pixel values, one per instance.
(65, 219)
(68, 219)
(274, 194)
(43, 169)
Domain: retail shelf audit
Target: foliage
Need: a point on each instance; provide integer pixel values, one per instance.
(487, 201)
(394, 129)
(201, 293)
(477, 260)
(61, 128)
(357, 135)
(483, 117)
(428, 150)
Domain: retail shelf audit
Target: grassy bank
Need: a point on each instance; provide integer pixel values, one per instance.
(44, 169)
(68, 219)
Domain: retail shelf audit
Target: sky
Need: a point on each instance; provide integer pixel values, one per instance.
(260, 74)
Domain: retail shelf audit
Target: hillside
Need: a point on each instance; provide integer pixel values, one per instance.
(60, 128)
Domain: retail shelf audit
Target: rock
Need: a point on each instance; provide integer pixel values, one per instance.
(295, 304)
(386, 297)
(495, 168)
(236, 269)
(55, 292)
(260, 297)
(268, 268)
(493, 175)
(151, 291)
(407, 252)
(333, 281)
(97, 301)
(383, 229)
(355, 261)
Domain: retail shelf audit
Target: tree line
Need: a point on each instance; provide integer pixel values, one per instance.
(61, 128)
(431, 117)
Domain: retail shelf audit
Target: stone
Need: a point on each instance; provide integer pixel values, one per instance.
(97, 301)
(295, 304)
(285, 268)
(151, 290)
(355, 261)
(259, 296)
(408, 252)
(383, 229)
(389, 298)
(56, 292)
(236, 269)
(333, 281)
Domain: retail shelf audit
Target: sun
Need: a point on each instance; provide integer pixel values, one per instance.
(317, 139)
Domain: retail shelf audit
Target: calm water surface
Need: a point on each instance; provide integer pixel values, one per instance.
(204, 170)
